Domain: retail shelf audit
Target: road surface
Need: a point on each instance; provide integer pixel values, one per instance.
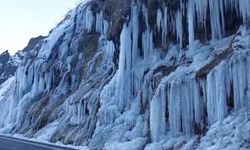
(9, 143)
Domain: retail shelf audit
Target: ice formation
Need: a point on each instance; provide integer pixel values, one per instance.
(157, 82)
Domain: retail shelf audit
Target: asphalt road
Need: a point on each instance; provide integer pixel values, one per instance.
(9, 143)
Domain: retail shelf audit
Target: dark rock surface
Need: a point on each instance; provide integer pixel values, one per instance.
(7, 66)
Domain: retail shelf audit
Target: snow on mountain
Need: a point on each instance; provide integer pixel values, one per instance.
(116, 74)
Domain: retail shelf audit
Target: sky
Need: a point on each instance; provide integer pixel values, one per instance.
(21, 20)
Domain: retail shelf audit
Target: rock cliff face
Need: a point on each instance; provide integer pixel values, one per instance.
(118, 74)
(8, 66)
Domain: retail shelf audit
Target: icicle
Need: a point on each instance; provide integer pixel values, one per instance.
(174, 108)
(145, 15)
(165, 27)
(135, 40)
(222, 16)
(221, 96)
(147, 45)
(187, 108)
(159, 20)
(35, 86)
(201, 11)
(239, 77)
(158, 109)
(88, 19)
(124, 72)
(135, 32)
(215, 18)
(244, 6)
(101, 23)
(191, 15)
(211, 99)
(198, 100)
(179, 27)
(183, 103)
(147, 38)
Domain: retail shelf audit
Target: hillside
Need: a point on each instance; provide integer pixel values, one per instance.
(132, 75)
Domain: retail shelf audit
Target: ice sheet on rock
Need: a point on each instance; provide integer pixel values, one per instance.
(5, 87)
(4, 91)
(185, 143)
(47, 132)
(123, 95)
(231, 133)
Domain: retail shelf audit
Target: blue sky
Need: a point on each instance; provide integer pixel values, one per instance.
(22, 19)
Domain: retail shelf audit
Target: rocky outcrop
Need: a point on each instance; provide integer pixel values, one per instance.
(8, 66)
(34, 43)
